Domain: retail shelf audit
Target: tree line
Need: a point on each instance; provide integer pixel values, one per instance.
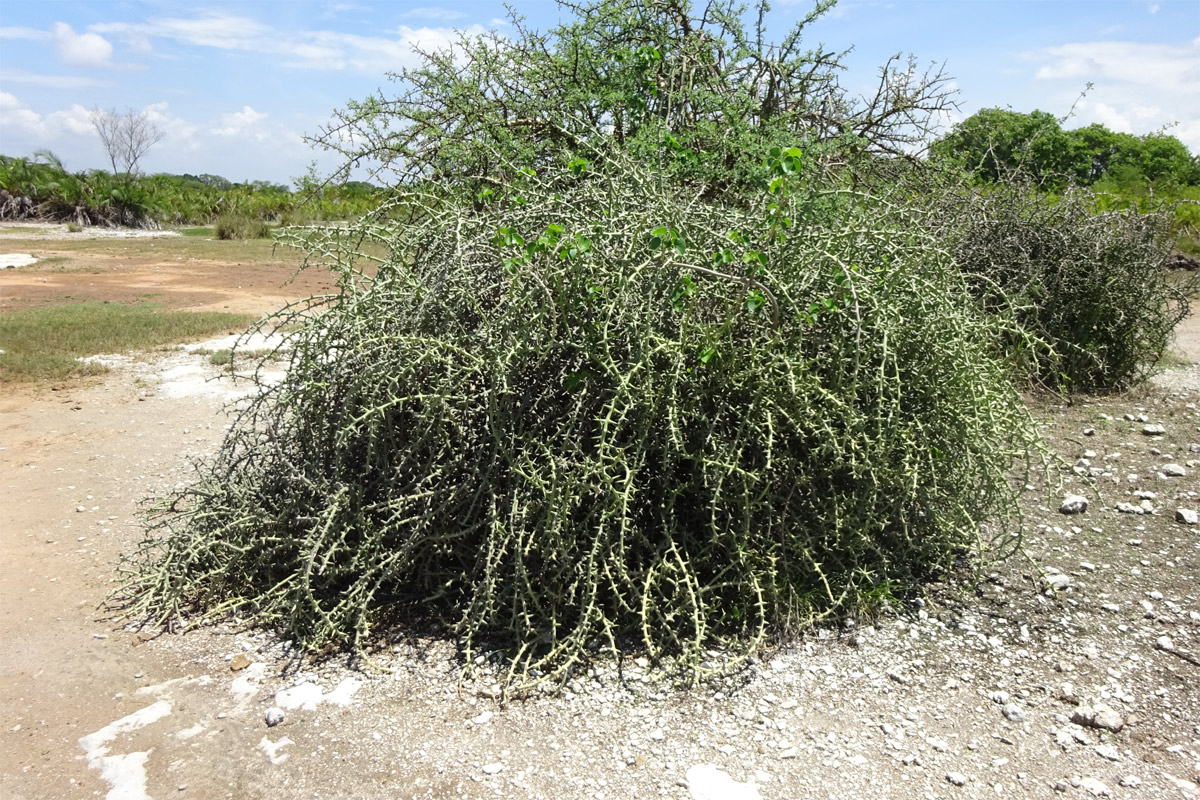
(996, 143)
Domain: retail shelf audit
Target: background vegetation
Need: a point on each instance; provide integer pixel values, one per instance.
(1145, 173)
(42, 188)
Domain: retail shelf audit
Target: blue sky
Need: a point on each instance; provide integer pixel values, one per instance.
(237, 85)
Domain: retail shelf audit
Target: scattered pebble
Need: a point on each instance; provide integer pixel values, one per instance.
(1073, 504)
(1098, 716)
(1013, 713)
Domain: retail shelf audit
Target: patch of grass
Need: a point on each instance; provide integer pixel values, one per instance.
(244, 251)
(232, 226)
(227, 357)
(43, 343)
(221, 358)
(207, 233)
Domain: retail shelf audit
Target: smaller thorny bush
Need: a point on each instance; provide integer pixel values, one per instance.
(1090, 285)
(602, 408)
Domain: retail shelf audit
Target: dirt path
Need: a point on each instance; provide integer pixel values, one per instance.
(977, 689)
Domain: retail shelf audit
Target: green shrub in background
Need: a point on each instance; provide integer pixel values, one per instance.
(610, 411)
(43, 189)
(234, 226)
(1090, 284)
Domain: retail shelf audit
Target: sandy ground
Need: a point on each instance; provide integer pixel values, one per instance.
(970, 694)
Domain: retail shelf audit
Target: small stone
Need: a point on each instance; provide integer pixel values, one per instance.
(1112, 608)
(1153, 430)
(492, 769)
(1095, 787)
(240, 662)
(791, 752)
(1187, 516)
(1130, 508)
(1164, 643)
(957, 778)
(1089, 431)
(483, 718)
(656, 735)
(274, 716)
(1099, 716)
(939, 745)
(1173, 471)
(1013, 713)
(1131, 781)
(1073, 504)
(80, 509)
(1107, 751)
(1058, 582)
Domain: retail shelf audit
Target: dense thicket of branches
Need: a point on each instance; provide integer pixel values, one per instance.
(705, 83)
(631, 358)
(1090, 285)
(563, 420)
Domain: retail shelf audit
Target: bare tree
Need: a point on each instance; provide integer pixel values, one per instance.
(126, 136)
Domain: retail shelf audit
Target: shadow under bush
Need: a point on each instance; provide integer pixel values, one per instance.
(612, 412)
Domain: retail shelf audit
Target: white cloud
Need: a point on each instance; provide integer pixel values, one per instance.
(178, 133)
(313, 49)
(214, 29)
(18, 118)
(443, 14)
(51, 81)
(332, 8)
(1137, 87)
(81, 50)
(1172, 68)
(75, 120)
(23, 33)
(15, 116)
(246, 122)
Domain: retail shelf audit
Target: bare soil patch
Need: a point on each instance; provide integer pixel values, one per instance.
(176, 273)
(975, 685)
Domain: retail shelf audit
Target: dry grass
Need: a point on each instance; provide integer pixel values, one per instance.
(44, 344)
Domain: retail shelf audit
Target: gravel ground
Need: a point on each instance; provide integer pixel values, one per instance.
(1072, 670)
